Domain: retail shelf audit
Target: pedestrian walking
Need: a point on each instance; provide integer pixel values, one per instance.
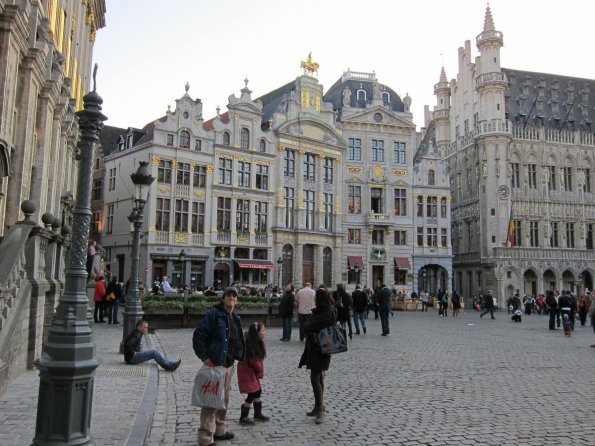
(591, 296)
(382, 296)
(344, 304)
(305, 302)
(98, 299)
(488, 305)
(113, 292)
(250, 372)
(218, 340)
(286, 307)
(323, 315)
(134, 354)
(552, 308)
(360, 306)
(565, 306)
(444, 303)
(423, 296)
(456, 303)
(583, 309)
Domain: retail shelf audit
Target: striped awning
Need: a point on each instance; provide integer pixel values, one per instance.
(355, 262)
(402, 263)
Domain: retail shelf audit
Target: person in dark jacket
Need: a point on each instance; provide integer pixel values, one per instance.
(488, 305)
(382, 296)
(565, 306)
(218, 341)
(113, 305)
(344, 304)
(323, 315)
(134, 354)
(552, 307)
(286, 310)
(360, 306)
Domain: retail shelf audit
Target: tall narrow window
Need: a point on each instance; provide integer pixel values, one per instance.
(309, 205)
(431, 177)
(354, 236)
(112, 179)
(309, 167)
(551, 178)
(226, 138)
(432, 237)
(354, 149)
(198, 218)
(378, 237)
(162, 214)
(518, 232)
(328, 212)
(263, 145)
(289, 163)
(164, 171)
(244, 173)
(245, 138)
(589, 239)
(399, 153)
(443, 237)
(354, 199)
(169, 139)
(184, 139)
(289, 202)
(515, 179)
(532, 176)
(377, 200)
(183, 174)
(567, 178)
(261, 212)
(420, 236)
(554, 238)
(181, 216)
(199, 177)
(223, 214)
(420, 206)
(401, 202)
(97, 187)
(225, 167)
(329, 166)
(534, 234)
(570, 235)
(109, 221)
(443, 208)
(432, 207)
(262, 177)
(243, 215)
(377, 151)
(400, 238)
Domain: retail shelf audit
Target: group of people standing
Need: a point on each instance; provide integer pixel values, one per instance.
(106, 298)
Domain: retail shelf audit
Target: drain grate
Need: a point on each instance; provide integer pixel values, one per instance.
(123, 372)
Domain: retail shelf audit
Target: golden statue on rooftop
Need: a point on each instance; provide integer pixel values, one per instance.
(309, 66)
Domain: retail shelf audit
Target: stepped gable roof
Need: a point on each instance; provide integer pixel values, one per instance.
(353, 82)
(544, 99)
(273, 101)
(108, 138)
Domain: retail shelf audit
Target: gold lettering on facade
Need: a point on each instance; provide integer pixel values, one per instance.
(399, 173)
(353, 169)
(305, 99)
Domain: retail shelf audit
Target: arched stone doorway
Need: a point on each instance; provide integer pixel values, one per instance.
(585, 282)
(568, 281)
(530, 283)
(308, 264)
(221, 276)
(549, 280)
(432, 278)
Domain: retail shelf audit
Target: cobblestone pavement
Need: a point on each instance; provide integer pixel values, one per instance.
(432, 381)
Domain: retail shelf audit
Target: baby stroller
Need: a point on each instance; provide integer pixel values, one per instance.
(517, 316)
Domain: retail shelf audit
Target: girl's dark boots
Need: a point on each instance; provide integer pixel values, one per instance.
(258, 416)
(245, 410)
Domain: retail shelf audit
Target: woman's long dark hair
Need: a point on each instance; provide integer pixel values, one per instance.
(323, 298)
(254, 345)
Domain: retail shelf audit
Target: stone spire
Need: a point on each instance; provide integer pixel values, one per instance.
(488, 24)
(443, 75)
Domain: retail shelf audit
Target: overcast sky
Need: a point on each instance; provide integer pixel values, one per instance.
(149, 49)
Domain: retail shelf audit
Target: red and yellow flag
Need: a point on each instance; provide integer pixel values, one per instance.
(511, 240)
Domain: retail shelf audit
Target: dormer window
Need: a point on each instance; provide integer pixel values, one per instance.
(386, 97)
(169, 140)
(431, 178)
(361, 95)
(263, 145)
(184, 139)
(245, 138)
(120, 143)
(226, 138)
(129, 141)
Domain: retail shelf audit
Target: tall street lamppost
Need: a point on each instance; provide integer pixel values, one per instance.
(142, 181)
(67, 363)
(182, 256)
(279, 268)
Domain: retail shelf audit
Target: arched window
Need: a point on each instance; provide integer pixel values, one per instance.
(225, 138)
(184, 139)
(327, 266)
(361, 95)
(263, 145)
(386, 97)
(245, 138)
(431, 178)
(287, 271)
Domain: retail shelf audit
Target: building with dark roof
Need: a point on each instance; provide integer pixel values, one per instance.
(520, 152)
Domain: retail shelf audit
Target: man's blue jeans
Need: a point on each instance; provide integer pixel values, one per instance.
(287, 328)
(147, 355)
(357, 317)
(303, 318)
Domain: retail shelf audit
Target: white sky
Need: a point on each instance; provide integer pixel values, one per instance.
(149, 49)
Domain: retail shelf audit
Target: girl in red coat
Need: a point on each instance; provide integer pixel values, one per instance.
(98, 297)
(251, 371)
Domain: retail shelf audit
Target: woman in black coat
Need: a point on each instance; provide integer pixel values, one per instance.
(322, 316)
(286, 311)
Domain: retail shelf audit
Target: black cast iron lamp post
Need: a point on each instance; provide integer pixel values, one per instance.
(67, 363)
(182, 256)
(279, 266)
(142, 180)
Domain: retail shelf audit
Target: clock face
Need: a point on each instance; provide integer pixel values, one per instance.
(503, 191)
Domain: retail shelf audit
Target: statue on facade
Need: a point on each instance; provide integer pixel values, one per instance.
(346, 97)
(309, 66)
(407, 102)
